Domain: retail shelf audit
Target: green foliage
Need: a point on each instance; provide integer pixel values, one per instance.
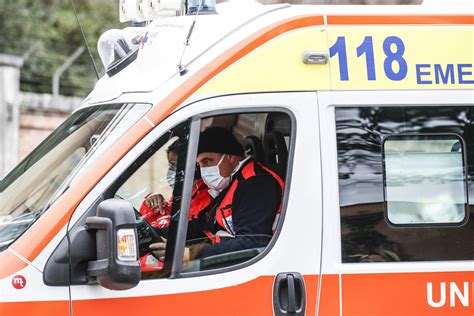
(49, 31)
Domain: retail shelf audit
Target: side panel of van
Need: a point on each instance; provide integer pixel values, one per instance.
(388, 153)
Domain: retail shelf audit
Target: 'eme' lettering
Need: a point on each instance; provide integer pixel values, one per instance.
(444, 75)
(420, 73)
(462, 73)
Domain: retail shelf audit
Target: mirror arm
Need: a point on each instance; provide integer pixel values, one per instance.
(104, 237)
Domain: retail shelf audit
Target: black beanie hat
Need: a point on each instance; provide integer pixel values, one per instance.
(219, 140)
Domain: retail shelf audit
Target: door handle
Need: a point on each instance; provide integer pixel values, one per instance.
(289, 294)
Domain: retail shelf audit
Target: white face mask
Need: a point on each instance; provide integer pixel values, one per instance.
(171, 177)
(212, 177)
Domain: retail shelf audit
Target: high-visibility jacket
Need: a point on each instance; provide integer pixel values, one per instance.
(224, 210)
(200, 199)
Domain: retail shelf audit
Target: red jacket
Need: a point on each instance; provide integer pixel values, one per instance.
(200, 199)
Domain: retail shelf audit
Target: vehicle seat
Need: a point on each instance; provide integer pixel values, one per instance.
(253, 147)
(276, 153)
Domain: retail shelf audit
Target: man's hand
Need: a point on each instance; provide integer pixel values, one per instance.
(159, 250)
(186, 257)
(155, 202)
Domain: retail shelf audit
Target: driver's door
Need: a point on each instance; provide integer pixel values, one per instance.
(253, 282)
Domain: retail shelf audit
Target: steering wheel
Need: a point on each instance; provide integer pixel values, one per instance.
(147, 234)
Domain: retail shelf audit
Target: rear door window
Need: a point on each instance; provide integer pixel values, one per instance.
(405, 178)
(424, 179)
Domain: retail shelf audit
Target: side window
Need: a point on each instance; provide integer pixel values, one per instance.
(405, 178)
(424, 179)
(238, 189)
(153, 184)
(236, 195)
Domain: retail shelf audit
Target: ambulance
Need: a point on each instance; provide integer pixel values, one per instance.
(366, 113)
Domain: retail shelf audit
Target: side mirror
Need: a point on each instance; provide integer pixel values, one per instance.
(117, 266)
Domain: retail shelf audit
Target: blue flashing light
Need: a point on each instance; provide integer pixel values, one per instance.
(207, 7)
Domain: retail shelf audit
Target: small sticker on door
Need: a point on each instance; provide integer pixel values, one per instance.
(18, 282)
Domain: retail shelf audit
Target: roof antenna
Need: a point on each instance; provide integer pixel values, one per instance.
(182, 69)
(85, 40)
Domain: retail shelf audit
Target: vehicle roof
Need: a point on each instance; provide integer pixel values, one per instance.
(158, 58)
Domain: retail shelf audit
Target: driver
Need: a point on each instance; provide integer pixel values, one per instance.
(247, 199)
(156, 210)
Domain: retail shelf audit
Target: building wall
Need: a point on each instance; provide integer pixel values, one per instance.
(9, 115)
(35, 126)
(40, 114)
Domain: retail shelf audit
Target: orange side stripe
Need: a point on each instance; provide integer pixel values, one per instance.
(10, 264)
(399, 19)
(41, 308)
(251, 298)
(372, 294)
(178, 96)
(311, 284)
(395, 294)
(233, 300)
(329, 298)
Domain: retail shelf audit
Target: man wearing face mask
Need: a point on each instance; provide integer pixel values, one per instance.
(156, 210)
(247, 198)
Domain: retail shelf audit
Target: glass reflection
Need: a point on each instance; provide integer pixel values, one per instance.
(361, 132)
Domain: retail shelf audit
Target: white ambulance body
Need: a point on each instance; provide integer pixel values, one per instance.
(367, 115)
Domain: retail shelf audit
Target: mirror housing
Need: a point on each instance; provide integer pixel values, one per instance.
(117, 266)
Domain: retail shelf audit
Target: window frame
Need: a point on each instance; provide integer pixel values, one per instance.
(129, 172)
(426, 136)
(187, 189)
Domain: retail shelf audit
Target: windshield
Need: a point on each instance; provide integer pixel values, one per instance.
(28, 190)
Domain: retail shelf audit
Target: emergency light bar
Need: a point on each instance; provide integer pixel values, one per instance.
(147, 10)
(203, 6)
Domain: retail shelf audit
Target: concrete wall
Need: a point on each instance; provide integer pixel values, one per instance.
(26, 119)
(40, 114)
(9, 111)
(34, 128)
